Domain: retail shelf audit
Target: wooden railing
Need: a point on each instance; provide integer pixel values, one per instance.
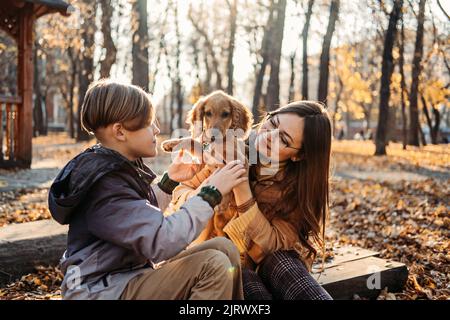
(9, 128)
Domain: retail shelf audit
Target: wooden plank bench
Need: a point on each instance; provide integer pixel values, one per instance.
(357, 271)
(26, 245)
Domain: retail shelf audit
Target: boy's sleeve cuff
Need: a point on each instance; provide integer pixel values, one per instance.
(166, 184)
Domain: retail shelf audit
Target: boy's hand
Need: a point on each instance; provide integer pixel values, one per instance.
(228, 177)
(183, 169)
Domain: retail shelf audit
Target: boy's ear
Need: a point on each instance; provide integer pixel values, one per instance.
(118, 132)
(195, 118)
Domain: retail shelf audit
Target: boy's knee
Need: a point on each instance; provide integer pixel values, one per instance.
(227, 247)
(216, 261)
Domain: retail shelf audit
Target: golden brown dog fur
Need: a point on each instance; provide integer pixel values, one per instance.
(218, 111)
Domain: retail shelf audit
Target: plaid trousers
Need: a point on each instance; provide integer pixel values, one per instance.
(282, 276)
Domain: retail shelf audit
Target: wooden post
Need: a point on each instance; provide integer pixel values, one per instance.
(25, 85)
(1, 131)
(8, 131)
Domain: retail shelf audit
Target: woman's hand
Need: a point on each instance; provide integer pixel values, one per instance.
(228, 177)
(182, 169)
(242, 192)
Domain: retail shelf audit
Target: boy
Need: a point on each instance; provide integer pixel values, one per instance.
(120, 246)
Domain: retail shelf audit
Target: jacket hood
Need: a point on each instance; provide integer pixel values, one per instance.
(73, 182)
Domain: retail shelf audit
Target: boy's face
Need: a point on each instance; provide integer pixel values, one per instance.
(142, 142)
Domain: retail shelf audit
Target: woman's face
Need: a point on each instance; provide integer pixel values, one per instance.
(280, 135)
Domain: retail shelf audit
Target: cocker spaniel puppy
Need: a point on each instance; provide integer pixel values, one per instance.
(209, 122)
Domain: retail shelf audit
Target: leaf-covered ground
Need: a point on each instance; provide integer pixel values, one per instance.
(43, 284)
(398, 205)
(406, 221)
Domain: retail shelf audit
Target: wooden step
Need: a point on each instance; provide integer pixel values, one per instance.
(358, 271)
(26, 245)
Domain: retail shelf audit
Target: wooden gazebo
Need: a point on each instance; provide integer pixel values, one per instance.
(17, 18)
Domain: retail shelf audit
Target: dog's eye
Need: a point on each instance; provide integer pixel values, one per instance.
(208, 113)
(225, 114)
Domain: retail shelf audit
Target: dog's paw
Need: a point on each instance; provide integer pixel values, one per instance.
(188, 144)
(169, 145)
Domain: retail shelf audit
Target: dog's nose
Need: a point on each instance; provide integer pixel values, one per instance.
(213, 134)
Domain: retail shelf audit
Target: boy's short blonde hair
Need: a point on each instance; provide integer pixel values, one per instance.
(107, 102)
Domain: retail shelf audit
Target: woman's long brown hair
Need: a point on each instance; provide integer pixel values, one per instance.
(305, 190)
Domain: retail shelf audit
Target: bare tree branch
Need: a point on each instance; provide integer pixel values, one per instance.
(442, 9)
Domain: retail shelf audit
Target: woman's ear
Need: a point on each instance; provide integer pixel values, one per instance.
(195, 118)
(242, 118)
(298, 157)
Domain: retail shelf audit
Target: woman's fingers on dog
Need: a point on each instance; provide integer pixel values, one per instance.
(240, 180)
(237, 171)
(242, 172)
(233, 163)
(226, 168)
(238, 174)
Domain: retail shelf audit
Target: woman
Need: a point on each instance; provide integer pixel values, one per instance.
(291, 207)
(282, 208)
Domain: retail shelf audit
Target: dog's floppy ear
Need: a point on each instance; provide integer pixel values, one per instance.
(195, 118)
(242, 117)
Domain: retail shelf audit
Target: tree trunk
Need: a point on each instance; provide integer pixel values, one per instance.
(74, 60)
(179, 93)
(437, 123)
(305, 67)
(209, 48)
(291, 94)
(207, 83)
(166, 117)
(273, 89)
(367, 115)
(416, 70)
(387, 68)
(196, 58)
(427, 116)
(108, 43)
(231, 45)
(162, 44)
(403, 85)
(38, 112)
(325, 55)
(172, 102)
(86, 70)
(434, 128)
(338, 99)
(422, 136)
(265, 53)
(140, 45)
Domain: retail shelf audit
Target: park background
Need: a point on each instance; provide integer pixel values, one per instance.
(381, 67)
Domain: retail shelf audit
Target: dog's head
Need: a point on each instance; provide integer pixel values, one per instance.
(218, 112)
